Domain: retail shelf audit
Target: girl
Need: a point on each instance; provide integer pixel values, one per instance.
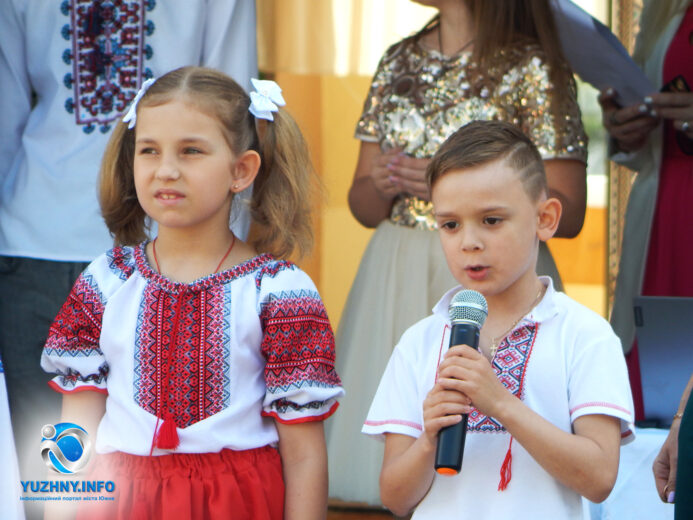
(196, 355)
(476, 60)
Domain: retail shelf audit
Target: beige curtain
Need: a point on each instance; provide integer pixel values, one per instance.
(332, 37)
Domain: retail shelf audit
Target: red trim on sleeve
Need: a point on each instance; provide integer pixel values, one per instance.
(410, 424)
(55, 386)
(601, 405)
(311, 418)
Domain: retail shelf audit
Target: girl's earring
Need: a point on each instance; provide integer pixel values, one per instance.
(234, 187)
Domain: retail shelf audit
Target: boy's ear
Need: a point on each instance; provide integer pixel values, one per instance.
(244, 170)
(548, 216)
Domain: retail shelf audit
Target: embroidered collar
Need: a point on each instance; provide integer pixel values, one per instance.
(249, 266)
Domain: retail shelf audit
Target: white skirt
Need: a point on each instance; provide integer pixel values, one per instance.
(402, 275)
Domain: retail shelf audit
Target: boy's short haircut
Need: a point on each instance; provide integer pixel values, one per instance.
(481, 142)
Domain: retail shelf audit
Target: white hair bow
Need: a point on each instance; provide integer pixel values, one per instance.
(131, 115)
(265, 100)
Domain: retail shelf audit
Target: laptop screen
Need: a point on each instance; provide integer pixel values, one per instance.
(664, 328)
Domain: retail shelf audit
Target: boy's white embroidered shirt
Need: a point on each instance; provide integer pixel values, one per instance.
(562, 359)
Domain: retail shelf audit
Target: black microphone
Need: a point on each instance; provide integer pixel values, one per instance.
(468, 311)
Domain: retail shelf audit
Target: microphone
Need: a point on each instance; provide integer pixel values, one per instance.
(468, 311)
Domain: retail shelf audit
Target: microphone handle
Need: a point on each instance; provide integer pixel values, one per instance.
(451, 438)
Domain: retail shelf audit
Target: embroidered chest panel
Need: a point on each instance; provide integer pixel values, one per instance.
(107, 54)
(510, 366)
(182, 353)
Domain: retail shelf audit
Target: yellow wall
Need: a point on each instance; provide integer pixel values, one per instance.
(581, 261)
(343, 239)
(327, 108)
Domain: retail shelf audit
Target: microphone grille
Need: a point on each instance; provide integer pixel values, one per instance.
(468, 306)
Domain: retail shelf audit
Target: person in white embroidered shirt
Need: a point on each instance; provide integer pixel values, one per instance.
(547, 393)
(68, 69)
(209, 385)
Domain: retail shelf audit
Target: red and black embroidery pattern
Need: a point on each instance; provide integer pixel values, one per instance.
(510, 365)
(77, 327)
(298, 342)
(182, 353)
(70, 377)
(107, 55)
(271, 269)
(121, 262)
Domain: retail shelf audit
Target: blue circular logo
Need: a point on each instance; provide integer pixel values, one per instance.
(65, 447)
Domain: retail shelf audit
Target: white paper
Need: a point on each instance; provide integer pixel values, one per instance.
(597, 56)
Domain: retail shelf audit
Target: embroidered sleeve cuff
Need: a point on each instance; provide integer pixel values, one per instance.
(308, 403)
(600, 408)
(80, 375)
(380, 428)
(288, 411)
(314, 400)
(55, 385)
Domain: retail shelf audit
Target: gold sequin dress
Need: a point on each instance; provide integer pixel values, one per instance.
(419, 97)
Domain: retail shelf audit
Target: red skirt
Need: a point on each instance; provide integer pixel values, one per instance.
(230, 484)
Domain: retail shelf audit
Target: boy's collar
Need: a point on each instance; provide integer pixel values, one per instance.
(544, 310)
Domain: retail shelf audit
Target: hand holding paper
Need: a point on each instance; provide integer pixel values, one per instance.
(597, 56)
(629, 126)
(676, 106)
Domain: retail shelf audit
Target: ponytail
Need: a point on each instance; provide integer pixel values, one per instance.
(120, 208)
(284, 189)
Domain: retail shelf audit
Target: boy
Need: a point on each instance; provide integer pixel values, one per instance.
(549, 373)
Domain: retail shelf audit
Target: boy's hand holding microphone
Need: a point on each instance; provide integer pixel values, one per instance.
(462, 373)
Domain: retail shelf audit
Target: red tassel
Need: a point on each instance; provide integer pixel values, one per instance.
(167, 436)
(506, 472)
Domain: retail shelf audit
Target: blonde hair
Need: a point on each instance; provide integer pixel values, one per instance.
(283, 188)
(482, 142)
(655, 16)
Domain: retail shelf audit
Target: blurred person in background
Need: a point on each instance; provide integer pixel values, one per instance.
(655, 139)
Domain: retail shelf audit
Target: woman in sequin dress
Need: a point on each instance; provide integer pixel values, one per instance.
(506, 66)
